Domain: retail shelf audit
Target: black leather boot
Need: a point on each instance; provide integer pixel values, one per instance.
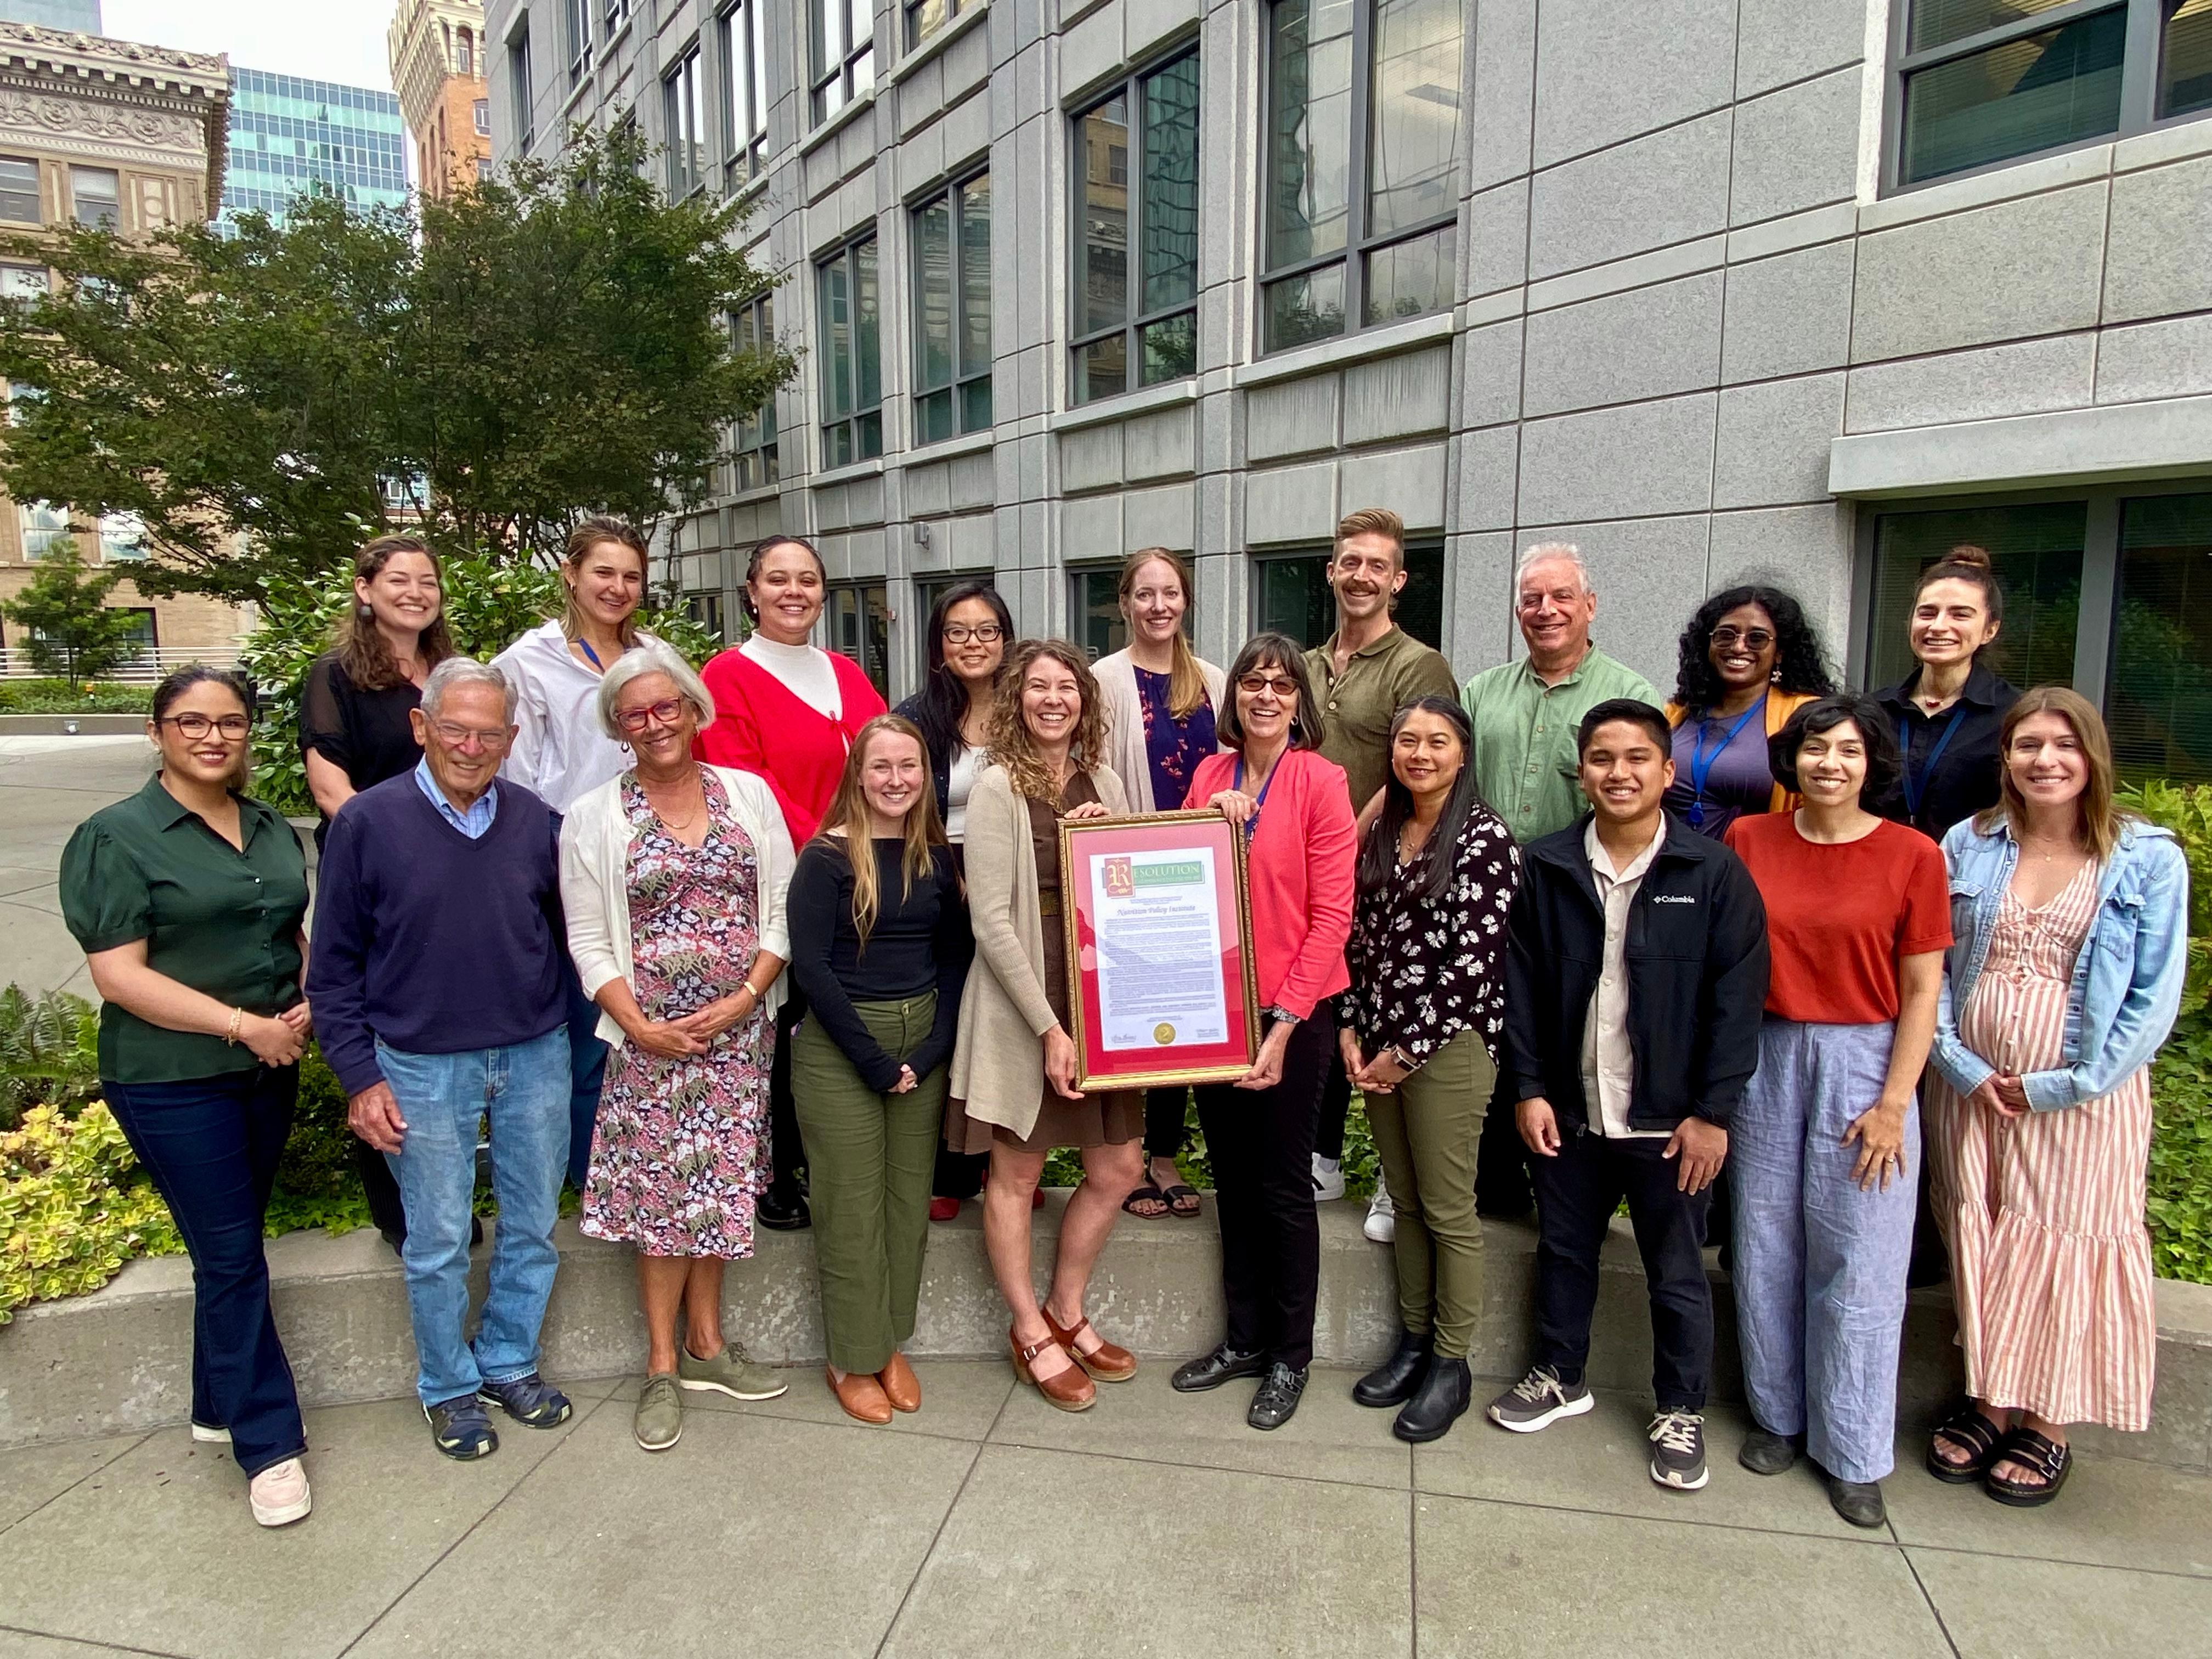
(1441, 1401)
(1393, 1381)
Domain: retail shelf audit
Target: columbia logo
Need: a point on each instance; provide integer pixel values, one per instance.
(1672, 898)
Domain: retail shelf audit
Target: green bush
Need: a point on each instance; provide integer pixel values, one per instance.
(49, 1054)
(38, 696)
(74, 1207)
(1361, 1167)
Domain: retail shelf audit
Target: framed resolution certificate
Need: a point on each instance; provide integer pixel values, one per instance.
(1159, 950)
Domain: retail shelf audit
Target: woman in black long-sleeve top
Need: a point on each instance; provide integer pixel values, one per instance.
(880, 949)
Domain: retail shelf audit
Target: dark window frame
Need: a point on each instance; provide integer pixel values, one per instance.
(844, 76)
(37, 192)
(1130, 89)
(578, 37)
(856, 419)
(948, 195)
(2139, 74)
(114, 221)
(752, 327)
(519, 86)
(912, 10)
(741, 39)
(1358, 247)
(857, 590)
(1428, 544)
(684, 116)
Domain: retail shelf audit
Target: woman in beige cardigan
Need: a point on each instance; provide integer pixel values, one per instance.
(1161, 701)
(1013, 1068)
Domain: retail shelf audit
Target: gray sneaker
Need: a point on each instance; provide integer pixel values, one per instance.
(1538, 1400)
(1678, 1450)
(658, 1421)
(732, 1371)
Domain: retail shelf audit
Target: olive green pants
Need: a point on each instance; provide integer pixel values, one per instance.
(1426, 1133)
(870, 1158)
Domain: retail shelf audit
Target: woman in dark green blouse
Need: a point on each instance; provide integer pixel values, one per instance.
(188, 899)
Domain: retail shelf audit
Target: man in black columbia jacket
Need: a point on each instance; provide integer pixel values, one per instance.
(1636, 979)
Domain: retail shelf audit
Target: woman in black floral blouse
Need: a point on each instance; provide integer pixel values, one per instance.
(1419, 1030)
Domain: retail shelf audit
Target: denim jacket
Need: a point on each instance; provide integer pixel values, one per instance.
(2126, 985)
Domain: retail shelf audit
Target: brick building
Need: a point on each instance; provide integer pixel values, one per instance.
(437, 67)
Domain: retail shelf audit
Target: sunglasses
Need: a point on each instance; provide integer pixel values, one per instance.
(1281, 684)
(1753, 639)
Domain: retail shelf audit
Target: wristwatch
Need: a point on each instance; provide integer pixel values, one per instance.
(1278, 1015)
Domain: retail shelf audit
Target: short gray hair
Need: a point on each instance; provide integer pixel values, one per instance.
(463, 671)
(651, 656)
(1554, 553)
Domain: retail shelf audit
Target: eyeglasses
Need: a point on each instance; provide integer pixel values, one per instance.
(1752, 639)
(982, 633)
(1281, 684)
(459, 737)
(666, 712)
(193, 728)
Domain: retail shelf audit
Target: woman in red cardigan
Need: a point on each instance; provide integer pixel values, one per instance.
(788, 710)
(1296, 810)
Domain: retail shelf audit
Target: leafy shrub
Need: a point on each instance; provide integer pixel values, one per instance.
(489, 603)
(44, 697)
(74, 1207)
(49, 1052)
(1362, 1167)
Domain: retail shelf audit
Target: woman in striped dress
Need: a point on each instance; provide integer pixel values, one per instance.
(2071, 922)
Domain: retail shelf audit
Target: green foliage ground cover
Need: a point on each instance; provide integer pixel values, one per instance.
(48, 696)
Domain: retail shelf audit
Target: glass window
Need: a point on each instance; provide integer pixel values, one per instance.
(1983, 81)
(1095, 602)
(706, 610)
(743, 37)
(925, 17)
(484, 118)
(2035, 550)
(517, 77)
(1137, 328)
(577, 17)
(687, 142)
(23, 282)
(752, 445)
(19, 189)
(95, 198)
(1359, 224)
(2158, 703)
(860, 618)
(952, 312)
(43, 527)
(852, 375)
(1292, 595)
(122, 537)
(464, 55)
(844, 54)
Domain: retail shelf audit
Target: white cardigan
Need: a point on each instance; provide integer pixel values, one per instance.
(1125, 725)
(595, 840)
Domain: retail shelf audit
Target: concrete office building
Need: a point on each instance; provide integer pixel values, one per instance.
(290, 134)
(438, 66)
(1811, 288)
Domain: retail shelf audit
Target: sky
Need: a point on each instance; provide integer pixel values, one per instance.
(341, 40)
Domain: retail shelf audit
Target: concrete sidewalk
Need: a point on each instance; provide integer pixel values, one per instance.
(48, 786)
(991, 1524)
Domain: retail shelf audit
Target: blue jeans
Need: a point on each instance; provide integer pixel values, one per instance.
(211, 1146)
(524, 1090)
(587, 1071)
(1821, 1264)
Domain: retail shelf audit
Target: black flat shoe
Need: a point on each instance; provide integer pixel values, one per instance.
(1393, 1380)
(782, 1212)
(1858, 1501)
(1210, 1370)
(1764, 1452)
(1444, 1395)
(1277, 1398)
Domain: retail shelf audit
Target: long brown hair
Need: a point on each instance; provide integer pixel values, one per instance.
(1013, 748)
(2101, 822)
(362, 650)
(582, 540)
(849, 812)
(1186, 685)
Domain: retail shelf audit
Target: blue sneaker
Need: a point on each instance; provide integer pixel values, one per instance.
(530, 1400)
(460, 1428)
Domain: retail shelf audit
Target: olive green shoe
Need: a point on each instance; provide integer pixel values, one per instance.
(658, 1422)
(732, 1371)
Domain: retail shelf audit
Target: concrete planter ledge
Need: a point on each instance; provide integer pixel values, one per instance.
(120, 1359)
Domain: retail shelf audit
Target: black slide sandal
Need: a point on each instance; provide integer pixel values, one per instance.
(2037, 1452)
(1971, 1432)
(1183, 1202)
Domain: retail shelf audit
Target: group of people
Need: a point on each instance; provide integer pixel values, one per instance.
(738, 947)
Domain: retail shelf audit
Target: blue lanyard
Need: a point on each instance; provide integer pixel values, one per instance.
(1701, 763)
(584, 646)
(1252, 823)
(1915, 788)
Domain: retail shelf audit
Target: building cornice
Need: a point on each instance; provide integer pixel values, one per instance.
(118, 101)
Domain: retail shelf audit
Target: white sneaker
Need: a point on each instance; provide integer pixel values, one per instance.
(279, 1494)
(1381, 1217)
(1328, 1178)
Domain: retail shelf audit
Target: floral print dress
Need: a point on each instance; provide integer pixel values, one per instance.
(680, 1152)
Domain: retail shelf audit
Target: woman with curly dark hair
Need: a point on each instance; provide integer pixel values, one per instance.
(1749, 652)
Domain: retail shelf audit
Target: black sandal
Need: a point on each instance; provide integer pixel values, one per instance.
(1150, 1190)
(2047, 1457)
(1972, 1432)
(1183, 1200)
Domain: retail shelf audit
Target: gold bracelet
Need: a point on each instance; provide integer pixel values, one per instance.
(755, 989)
(237, 1019)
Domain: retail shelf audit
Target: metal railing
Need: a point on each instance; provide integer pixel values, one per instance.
(143, 669)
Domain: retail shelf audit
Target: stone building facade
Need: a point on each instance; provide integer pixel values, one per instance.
(438, 68)
(96, 130)
(1807, 290)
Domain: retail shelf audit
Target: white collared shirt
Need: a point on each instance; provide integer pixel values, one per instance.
(1608, 1062)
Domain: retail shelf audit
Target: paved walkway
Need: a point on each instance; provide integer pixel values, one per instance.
(990, 1524)
(48, 786)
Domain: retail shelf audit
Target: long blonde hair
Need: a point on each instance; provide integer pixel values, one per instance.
(1013, 748)
(2101, 822)
(849, 812)
(1186, 685)
(591, 533)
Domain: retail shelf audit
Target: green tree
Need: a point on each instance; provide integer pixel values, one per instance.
(73, 632)
(551, 343)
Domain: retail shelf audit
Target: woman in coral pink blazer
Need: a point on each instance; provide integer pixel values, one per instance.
(1296, 810)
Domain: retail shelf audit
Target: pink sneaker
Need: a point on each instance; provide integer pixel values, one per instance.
(279, 1494)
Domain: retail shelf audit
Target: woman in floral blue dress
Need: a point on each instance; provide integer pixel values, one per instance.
(673, 876)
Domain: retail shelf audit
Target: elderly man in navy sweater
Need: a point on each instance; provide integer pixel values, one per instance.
(435, 979)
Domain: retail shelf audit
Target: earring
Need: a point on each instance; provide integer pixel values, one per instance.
(365, 611)
(1775, 677)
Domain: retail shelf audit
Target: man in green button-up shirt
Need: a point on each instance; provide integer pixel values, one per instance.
(1526, 713)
